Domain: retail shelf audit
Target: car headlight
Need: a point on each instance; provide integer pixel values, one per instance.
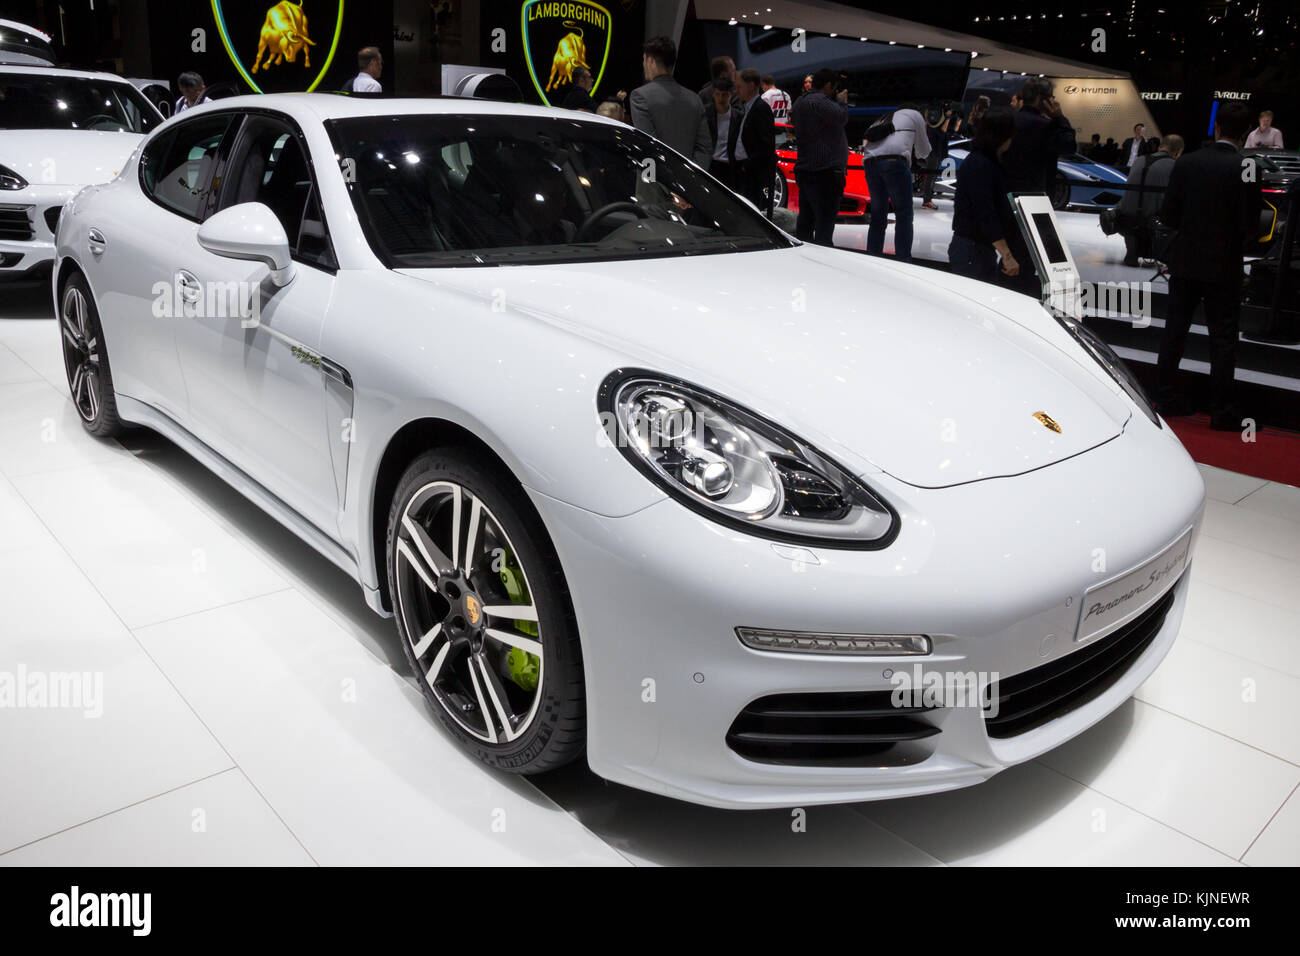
(738, 468)
(10, 179)
(1114, 365)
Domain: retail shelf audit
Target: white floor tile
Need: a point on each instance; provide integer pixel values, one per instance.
(147, 548)
(63, 765)
(220, 821)
(346, 751)
(1179, 774)
(13, 369)
(1031, 815)
(1247, 627)
(1278, 500)
(1279, 844)
(1238, 698)
(1228, 486)
(36, 342)
(1257, 530)
(19, 526)
(1263, 577)
(40, 431)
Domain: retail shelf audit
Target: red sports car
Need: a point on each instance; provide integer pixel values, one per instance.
(856, 200)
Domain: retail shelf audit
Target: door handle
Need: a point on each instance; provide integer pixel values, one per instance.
(96, 242)
(188, 283)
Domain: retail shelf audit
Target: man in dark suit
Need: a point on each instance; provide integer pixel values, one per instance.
(754, 144)
(1134, 148)
(1213, 203)
(664, 108)
(1043, 135)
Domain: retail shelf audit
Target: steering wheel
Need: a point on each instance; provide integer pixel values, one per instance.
(92, 120)
(604, 211)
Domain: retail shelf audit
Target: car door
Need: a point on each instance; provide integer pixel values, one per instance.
(258, 387)
(131, 256)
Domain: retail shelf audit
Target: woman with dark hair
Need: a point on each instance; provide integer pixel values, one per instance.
(981, 219)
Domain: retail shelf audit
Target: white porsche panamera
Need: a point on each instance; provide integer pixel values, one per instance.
(755, 523)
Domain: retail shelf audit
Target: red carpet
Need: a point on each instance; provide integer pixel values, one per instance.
(1274, 455)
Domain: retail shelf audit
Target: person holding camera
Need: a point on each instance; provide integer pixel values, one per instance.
(941, 123)
(890, 144)
(822, 163)
(1147, 181)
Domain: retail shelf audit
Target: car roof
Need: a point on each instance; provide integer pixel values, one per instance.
(57, 71)
(29, 30)
(326, 106)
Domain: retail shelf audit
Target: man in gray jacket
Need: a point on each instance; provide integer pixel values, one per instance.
(1147, 181)
(667, 110)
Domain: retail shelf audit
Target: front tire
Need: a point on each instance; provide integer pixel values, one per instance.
(484, 614)
(85, 359)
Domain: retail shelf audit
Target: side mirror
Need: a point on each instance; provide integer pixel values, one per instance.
(250, 231)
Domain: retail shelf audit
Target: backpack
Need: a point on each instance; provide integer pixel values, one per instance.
(880, 128)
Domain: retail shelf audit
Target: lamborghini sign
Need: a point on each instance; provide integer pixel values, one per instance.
(277, 44)
(559, 37)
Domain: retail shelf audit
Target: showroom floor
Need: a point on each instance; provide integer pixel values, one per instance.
(254, 711)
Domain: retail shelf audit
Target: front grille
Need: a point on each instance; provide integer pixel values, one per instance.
(845, 729)
(1031, 699)
(52, 218)
(14, 223)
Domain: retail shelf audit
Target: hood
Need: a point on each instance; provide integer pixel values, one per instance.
(877, 363)
(73, 157)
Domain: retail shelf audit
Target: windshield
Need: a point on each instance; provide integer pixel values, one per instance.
(39, 101)
(491, 190)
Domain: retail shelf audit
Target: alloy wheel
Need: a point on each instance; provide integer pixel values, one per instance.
(81, 354)
(468, 613)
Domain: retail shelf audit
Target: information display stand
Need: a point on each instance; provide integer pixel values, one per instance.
(1062, 288)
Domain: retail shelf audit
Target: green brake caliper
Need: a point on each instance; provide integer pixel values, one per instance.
(524, 668)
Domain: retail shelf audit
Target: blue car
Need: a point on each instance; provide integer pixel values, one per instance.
(1080, 182)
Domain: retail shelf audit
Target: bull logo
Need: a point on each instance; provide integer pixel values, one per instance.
(283, 35)
(559, 37)
(267, 42)
(570, 54)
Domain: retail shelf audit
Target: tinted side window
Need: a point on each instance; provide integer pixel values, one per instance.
(176, 170)
(272, 168)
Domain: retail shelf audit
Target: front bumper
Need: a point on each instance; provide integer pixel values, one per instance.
(993, 571)
(28, 223)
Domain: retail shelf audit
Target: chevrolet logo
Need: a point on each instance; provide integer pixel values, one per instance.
(1048, 422)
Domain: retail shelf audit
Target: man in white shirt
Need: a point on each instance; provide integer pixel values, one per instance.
(370, 62)
(888, 165)
(1266, 135)
(777, 99)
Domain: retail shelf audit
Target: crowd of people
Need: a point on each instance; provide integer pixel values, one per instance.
(1199, 202)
